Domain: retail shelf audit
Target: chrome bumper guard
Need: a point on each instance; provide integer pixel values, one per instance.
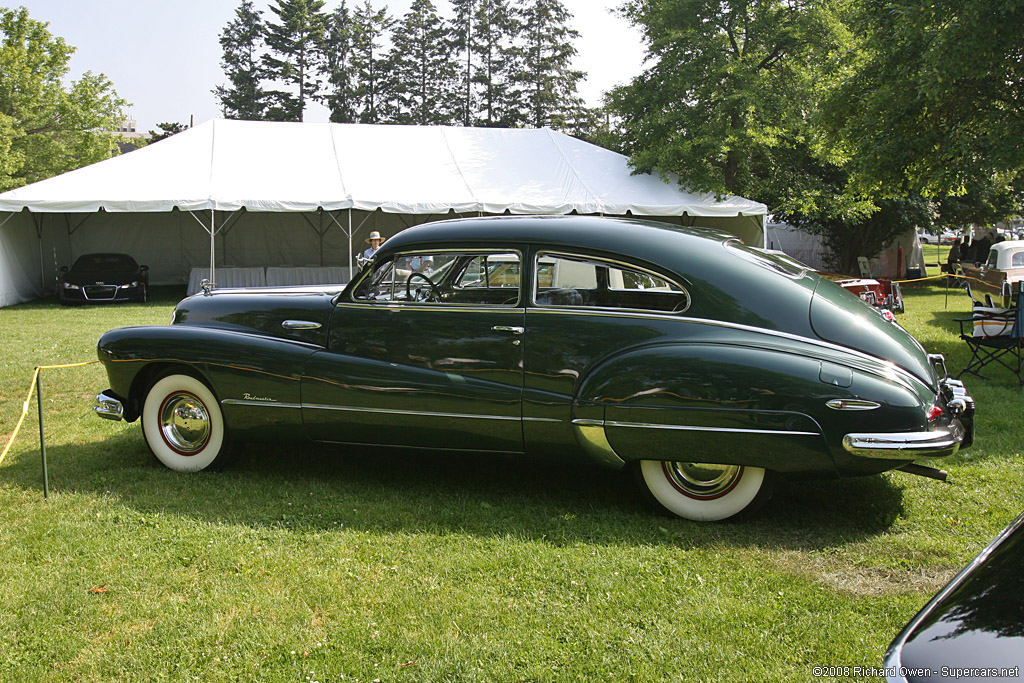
(934, 443)
(109, 407)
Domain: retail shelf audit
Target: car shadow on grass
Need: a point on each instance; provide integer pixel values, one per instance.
(310, 488)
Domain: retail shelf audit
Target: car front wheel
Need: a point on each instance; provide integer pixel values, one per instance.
(183, 425)
(705, 492)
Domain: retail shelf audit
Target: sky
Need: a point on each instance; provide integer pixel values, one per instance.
(164, 58)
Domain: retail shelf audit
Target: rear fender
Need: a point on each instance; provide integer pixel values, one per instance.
(725, 403)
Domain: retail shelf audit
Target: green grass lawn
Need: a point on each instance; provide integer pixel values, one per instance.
(311, 564)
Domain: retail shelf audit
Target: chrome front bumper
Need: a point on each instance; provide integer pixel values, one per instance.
(934, 443)
(109, 407)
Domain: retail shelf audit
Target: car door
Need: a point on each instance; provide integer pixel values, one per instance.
(426, 352)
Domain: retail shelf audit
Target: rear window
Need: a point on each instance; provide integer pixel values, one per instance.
(783, 265)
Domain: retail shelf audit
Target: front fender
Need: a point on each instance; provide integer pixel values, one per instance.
(255, 378)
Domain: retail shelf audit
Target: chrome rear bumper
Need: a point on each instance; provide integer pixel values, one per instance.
(934, 443)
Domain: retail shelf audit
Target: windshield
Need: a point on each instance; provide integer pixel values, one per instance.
(91, 262)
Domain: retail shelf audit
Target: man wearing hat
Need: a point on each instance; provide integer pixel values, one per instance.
(374, 240)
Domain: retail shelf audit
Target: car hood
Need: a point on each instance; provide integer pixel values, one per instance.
(840, 317)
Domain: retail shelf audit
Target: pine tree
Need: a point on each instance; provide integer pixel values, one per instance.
(241, 40)
(369, 67)
(497, 93)
(547, 51)
(422, 72)
(338, 55)
(296, 50)
(464, 42)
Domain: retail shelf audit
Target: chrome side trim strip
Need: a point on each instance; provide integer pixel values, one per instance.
(720, 430)
(259, 404)
(419, 413)
(450, 308)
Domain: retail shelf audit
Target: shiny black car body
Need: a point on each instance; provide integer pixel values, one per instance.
(101, 278)
(974, 628)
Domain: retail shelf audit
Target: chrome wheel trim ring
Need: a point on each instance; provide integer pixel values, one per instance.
(185, 424)
(702, 481)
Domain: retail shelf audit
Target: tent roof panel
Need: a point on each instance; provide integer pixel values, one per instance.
(267, 166)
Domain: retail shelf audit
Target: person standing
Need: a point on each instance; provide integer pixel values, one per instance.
(374, 240)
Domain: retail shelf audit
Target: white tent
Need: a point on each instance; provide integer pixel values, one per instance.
(301, 193)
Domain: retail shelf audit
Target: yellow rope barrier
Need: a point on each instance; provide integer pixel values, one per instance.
(28, 399)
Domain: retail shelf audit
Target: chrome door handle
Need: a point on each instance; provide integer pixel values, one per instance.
(300, 325)
(509, 328)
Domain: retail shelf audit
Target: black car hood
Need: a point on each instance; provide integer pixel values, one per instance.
(977, 621)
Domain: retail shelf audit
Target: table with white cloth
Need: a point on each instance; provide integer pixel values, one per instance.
(306, 275)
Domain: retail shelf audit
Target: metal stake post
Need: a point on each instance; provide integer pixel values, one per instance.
(42, 438)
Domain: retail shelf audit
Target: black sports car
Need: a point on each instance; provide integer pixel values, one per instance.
(96, 278)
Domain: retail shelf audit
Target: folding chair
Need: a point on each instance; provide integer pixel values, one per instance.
(996, 336)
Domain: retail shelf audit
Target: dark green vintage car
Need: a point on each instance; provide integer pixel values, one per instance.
(708, 366)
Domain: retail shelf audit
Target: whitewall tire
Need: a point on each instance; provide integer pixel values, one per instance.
(183, 424)
(705, 492)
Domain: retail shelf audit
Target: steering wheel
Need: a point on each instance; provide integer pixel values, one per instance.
(432, 294)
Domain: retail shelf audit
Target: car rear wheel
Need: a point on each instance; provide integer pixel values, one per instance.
(706, 492)
(183, 424)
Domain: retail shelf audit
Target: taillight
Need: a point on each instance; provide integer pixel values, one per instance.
(934, 413)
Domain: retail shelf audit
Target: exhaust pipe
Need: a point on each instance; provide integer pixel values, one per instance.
(922, 471)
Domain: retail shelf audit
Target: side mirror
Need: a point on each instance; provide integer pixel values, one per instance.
(63, 269)
(143, 268)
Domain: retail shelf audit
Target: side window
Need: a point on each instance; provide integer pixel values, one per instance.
(490, 271)
(1018, 260)
(444, 278)
(575, 281)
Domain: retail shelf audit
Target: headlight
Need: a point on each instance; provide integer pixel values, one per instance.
(134, 284)
(68, 285)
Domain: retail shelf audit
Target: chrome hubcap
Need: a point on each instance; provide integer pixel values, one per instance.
(184, 423)
(702, 480)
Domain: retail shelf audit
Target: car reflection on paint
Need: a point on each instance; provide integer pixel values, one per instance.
(973, 629)
(707, 367)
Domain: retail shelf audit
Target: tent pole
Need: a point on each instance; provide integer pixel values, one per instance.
(350, 243)
(212, 246)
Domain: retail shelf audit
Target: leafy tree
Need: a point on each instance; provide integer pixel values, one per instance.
(939, 96)
(338, 53)
(167, 129)
(464, 40)
(732, 84)
(370, 68)
(422, 73)
(549, 84)
(47, 128)
(241, 41)
(295, 54)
